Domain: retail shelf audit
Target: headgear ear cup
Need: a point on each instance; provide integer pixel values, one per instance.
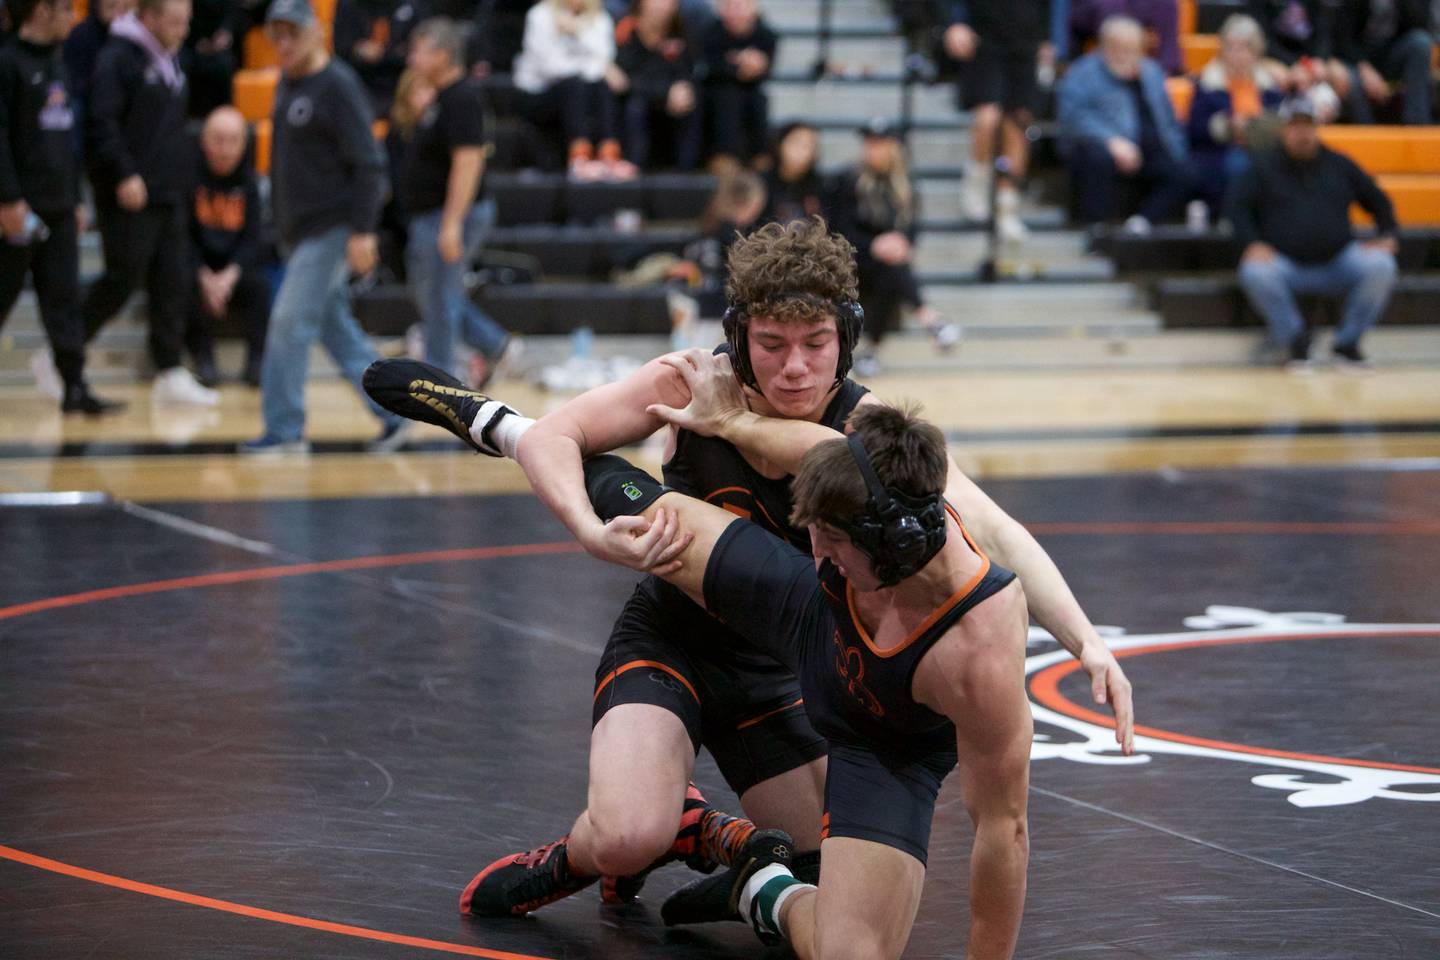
(737, 334)
(899, 533)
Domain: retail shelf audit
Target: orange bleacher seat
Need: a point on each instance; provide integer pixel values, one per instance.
(263, 135)
(1198, 49)
(259, 53)
(254, 92)
(1189, 17)
(1381, 150)
(1182, 92)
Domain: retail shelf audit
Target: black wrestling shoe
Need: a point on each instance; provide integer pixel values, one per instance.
(521, 882)
(617, 890)
(421, 392)
(717, 898)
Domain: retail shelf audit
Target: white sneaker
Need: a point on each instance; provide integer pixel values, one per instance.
(1007, 211)
(975, 192)
(178, 385)
(1138, 226)
(47, 378)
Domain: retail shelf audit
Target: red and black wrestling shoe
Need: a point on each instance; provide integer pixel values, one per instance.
(521, 882)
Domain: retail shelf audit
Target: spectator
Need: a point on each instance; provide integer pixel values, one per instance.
(655, 80)
(1382, 41)
(738, 51)
(793, 184)
(328, 182)
(370, 35)
(413, 97)
(875, 207)
(1159, 20)
(734, 210)
(448, 219)
(1299, 53)
(1231, 92)
(1000, 50)
(210, 55)
(564, 72)
(39, 198)
(1291, 213)
(225, 220)
(83, 46)
(140, 166)
(1116, 123)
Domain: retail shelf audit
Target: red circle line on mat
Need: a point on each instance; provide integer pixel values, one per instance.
(1045, 689)
(250, 576)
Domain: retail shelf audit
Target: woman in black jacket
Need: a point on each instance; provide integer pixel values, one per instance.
(796, 189)
(876, 208)
(658, 65)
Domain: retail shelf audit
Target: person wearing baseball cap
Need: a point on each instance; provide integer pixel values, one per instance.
(328, 184)
(1291, 213)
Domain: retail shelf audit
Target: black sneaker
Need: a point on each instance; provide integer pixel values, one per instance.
(421, 392)
(521, 882)
(717, 898)
(1348, 357)
(617, 890)
(79, 399)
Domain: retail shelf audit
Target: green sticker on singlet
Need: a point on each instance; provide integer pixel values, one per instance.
(631, 491)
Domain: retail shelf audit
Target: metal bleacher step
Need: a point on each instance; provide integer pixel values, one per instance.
(859, 101)
(852, 52)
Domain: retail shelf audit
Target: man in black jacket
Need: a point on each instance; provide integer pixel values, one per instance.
(328, 181)
(39, 189)
(225, 220)
(1291, 212)
(139, 161)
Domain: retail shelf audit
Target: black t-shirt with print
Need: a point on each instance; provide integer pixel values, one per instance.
(457, 119)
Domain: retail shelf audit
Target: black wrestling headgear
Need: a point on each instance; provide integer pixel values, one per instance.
(898, 532)
(849, 321)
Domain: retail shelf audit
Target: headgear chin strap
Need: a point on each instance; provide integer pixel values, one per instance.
(849, 322)
(898, 532)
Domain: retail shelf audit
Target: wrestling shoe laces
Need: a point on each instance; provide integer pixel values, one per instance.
(421, 392)
(516, 884)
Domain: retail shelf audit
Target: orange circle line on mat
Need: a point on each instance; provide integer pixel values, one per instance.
(1045, 688)
(248, 576)
(180, 896)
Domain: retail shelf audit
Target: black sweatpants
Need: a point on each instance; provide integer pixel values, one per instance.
(149, 247)
(54, 265)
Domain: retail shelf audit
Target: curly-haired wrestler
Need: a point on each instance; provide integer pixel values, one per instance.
(673, 677)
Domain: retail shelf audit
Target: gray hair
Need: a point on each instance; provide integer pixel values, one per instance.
(445, 35)
(1121, 27)
(1239, 26)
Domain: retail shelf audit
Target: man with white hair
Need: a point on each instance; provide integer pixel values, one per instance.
(1117, 125)
(225, 221)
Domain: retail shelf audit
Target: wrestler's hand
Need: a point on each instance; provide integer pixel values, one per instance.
(1108, 684)
(715, 395)
(640, 544)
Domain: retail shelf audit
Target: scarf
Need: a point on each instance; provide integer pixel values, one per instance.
(130, 28)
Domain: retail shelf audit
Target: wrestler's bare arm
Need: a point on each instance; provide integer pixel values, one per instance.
(595, 422)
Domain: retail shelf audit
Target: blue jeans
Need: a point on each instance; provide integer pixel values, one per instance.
(1365, 277)
(313, 303)
(439, 293)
